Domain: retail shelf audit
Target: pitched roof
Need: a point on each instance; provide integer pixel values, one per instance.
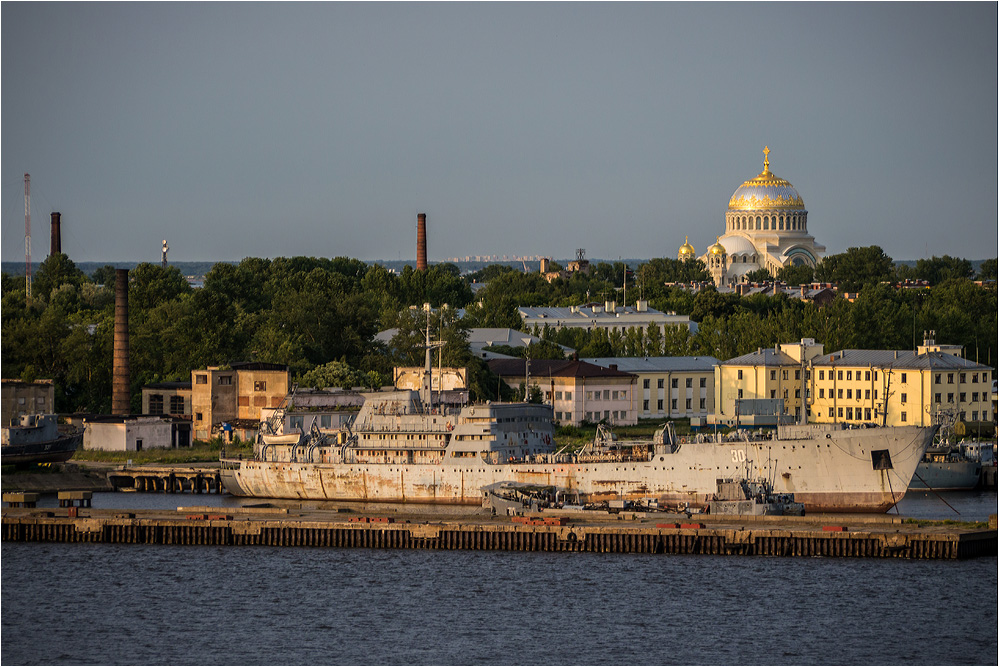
(763, 357)
(552, 368)
(897, 359)
(656, 364)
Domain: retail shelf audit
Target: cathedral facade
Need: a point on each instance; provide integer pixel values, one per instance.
(766, 226)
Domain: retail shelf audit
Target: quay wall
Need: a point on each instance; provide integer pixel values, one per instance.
(227, 530)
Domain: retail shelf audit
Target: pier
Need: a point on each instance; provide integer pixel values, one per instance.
(324, 529)
(166, 479)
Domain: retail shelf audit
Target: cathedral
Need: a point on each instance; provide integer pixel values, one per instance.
(765, 227)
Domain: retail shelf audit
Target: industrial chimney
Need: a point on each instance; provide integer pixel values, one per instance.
(421, 241)
(56, 244)
(120, 399)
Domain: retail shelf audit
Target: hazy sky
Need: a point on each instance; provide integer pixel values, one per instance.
(237, 130)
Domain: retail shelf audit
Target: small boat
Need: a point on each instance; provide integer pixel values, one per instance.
(39, 439)
(749, 497)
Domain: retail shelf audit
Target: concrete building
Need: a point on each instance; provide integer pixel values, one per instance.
(577, 391)
(608, 316)
(766, 226)
(167, 398)
(900, 387)
(669, 387)
(135, 433)
(768, 374)
(25, 398)
(235, 395)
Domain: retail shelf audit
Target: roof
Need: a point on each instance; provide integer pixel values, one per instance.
(256, 366)
(184, 384)
(657, 364)
(552, 368)
(763, 357)
(897, 359)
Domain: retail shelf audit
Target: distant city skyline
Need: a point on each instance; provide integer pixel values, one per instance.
(269, 129)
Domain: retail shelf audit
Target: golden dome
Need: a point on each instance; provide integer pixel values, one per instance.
(766, 191)
(717, 248)
(687, 250)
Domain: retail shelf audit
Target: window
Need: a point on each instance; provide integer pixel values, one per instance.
(201, 379)
(645, 406)
(936, 378)
(839, 375)
(905, 417)
(606, 414)
(606, 394)
(548, 396)
(773, 393)
(773, 375)
(961, 399)
(840, 412)
(156, 404)
(176, 405)
(839, 393)
(849, 413)
(797, 393)
(740, 395)
(962, 380)
(974, 377)
(950, 378)
(198, 417)
(867, 414)
(950, 398)
(875, 376)
(689, 383)
(822, 392)
(849, 375)
(659, 405)
(568, 395)
(325, 421)
(974, 397)
(673, 402)
(936, 398)
(822, 375)
(974, 416)
(225, 380)
(688, 404)
(259, 385)
(645, 383)
(660, 383)
(704, 383)
(797, 374)
(703, 403)
(614, 395)
(831, 413)
(558, 396)
(875, 394)
(904, 398)
(903, 378)
(867, 394)
(867, 376)
(783, 375)
(849, 393)
(740, 377)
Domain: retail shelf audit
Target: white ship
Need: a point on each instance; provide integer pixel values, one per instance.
(399, 450)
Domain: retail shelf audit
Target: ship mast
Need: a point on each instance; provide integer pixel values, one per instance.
(27, 238)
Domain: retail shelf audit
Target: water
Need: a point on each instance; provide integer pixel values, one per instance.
(95, 603)
(138, 604)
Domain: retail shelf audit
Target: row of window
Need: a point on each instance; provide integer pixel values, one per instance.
(659, 405)
(674, 383)
(226, 380)
(869, 375)
(156, 404)
(608, 395)
(856, 415)
(850, 394)
(607, 414)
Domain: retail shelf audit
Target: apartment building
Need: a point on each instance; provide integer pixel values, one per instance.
(669, 387)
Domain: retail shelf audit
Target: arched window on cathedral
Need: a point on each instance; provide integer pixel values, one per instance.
(758, 223)
(780, 224)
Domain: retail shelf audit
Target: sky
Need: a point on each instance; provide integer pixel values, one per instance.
(263, 130)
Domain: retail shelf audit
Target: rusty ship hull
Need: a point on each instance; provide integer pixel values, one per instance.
(829, 470)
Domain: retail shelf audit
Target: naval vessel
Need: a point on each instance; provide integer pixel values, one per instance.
(400, 449)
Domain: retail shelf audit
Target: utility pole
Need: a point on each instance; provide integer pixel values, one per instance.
(27, 238)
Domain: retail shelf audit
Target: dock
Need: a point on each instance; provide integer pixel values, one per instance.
(275, 527)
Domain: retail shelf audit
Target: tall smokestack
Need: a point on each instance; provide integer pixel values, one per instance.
(421, 241)
(120, 399)
(56, 244)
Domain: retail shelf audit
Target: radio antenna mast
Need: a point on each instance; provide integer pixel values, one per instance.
(27, 238)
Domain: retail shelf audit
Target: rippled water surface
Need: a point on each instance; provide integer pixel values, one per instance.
(137, 604)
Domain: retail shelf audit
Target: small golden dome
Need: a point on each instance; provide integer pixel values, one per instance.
(686, 250)
(717, 248)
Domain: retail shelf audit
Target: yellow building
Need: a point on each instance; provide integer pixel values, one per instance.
(235, 395)
(752, 390)
(900, 387)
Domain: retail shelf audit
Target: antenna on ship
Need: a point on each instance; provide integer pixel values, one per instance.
(428, 384)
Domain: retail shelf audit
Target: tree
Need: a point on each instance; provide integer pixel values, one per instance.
(855, 268)
(796, 274)
(939, 269)
(760, 275)
(987, 271)
(57, 270)
(334, 374)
